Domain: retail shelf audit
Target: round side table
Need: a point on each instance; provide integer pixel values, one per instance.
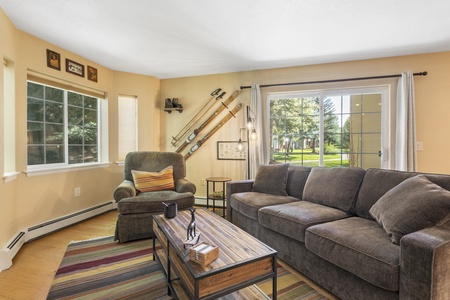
(216, 195)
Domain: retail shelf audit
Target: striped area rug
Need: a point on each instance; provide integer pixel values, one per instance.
(104, 269)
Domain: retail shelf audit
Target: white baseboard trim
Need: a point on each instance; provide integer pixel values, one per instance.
(13, 246)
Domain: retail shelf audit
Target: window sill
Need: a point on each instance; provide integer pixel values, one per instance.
(10, 176)
(120, 163)
(64, 169)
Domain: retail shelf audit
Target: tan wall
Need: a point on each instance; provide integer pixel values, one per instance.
(29, 201)
(432, 108)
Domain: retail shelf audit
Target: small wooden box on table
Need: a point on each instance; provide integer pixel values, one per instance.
(243, 260)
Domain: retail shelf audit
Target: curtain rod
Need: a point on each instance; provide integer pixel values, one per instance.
(334, 80)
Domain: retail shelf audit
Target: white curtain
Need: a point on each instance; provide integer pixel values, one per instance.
(256, 148)
(405, 147)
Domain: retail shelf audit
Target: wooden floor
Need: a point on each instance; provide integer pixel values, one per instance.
(35, 265)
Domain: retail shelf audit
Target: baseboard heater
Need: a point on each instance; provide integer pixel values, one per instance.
(13, 246)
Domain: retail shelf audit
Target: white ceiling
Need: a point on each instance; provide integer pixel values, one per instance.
(176, 38)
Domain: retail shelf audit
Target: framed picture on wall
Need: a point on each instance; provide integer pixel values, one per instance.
(92, 73)
(74, 67)
(228, 150)
(53, 60)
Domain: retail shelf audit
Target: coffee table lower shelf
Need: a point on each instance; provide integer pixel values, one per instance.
(176, 288)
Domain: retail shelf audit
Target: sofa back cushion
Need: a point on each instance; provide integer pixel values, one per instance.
(334, 187)
(271, 179)
(378, 182)
(297, 176)
(375, 184)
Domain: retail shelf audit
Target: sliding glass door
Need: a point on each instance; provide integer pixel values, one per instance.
(330, 128)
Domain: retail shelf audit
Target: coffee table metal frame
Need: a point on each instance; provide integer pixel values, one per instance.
(161, 226)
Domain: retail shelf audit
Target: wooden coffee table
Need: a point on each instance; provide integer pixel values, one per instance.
(243, 260)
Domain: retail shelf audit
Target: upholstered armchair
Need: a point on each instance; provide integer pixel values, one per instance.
(138, 198)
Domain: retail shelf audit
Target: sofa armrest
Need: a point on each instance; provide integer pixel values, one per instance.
(183, 185)
(237, 186)
(125, 190)
(425, 264)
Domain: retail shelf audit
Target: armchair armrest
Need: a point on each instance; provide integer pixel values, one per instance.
(237, 186)
(425, 264)
(125, 190)
(183, 185)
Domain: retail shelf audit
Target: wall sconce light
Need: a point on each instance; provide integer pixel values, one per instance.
(240, 145)
(253, 135)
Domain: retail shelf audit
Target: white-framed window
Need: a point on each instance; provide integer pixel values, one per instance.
(128, 129)
(331, 127)
(63, 127)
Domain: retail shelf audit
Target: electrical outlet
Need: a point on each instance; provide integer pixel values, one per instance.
(419, 146)
(202, 182)
(77, 192)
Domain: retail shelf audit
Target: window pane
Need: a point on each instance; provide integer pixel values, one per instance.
(371, 103)
(35, 90)
(54, 154)
(75, 154)
(35, 110)
(371, 143)
(90, 118)
(54, 112)
(369, 161)
(90, 136)
(54, 94)
(35, 133)
(90, 102)
(74, 99)
(371, 122)
(75, 115)
(75, 135)
(90, 154)
(54, 134)
(36, 155)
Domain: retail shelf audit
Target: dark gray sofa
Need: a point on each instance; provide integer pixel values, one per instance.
(320, 222)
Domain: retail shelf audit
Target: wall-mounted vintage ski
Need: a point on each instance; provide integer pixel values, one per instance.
(231, 114)
(204, 124)
(205, 108)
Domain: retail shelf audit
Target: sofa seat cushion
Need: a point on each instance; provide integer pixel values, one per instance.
(292, 219)
(151, 202)
(248, 203)
(359, 246)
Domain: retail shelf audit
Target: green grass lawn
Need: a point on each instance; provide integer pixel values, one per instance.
(308, 158)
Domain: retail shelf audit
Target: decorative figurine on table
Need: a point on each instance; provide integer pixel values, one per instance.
(192, 237)
(191, 226)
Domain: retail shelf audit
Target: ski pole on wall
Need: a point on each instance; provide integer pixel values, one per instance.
(208, 121)
(231, 114)
(197, 116)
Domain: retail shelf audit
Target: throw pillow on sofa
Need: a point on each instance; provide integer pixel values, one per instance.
(154, 181)
(271, 179)
(414, 204)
